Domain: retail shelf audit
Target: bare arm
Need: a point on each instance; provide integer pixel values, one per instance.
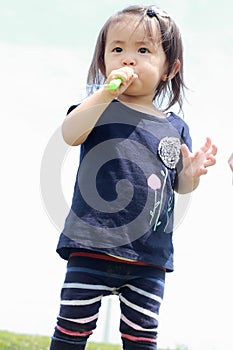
(79, 123)
(195, 165)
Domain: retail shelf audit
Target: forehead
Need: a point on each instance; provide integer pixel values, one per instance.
(132, 27)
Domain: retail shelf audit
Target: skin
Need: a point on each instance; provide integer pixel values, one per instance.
(141, 64)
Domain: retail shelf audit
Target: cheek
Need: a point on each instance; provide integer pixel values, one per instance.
(149, 69)
(111, 65)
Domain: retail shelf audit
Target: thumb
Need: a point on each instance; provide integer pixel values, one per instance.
(185, 150)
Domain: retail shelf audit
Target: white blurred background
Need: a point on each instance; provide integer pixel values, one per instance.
(46, 48)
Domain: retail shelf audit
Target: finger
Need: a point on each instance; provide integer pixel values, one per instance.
(203, 171)
(127, 73)
(207, 145)
(185, 150)
(214, 150)
(210, 162)
(211, 155)
(128, 70)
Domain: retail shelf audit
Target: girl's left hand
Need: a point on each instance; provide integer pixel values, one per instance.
(196, 164)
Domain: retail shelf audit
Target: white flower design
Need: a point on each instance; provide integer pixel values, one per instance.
(169, 151)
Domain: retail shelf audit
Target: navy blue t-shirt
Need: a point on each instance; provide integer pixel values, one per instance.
(123, 199)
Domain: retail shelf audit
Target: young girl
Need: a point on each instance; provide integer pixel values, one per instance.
(134, 154)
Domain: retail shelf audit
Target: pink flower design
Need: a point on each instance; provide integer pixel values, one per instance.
(154, 182)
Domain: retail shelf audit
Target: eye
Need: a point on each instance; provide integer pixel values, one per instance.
(117, 49)
(143, 50)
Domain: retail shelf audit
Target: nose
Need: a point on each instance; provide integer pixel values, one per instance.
(128, 61)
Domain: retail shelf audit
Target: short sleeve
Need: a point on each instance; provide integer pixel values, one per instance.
(71, 108)
(185, 136)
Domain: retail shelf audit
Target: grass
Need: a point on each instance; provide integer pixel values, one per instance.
(13, 341)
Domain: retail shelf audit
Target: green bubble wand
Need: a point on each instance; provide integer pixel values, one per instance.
(115, 84)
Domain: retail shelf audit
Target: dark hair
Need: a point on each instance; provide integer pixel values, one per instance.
(172, 45)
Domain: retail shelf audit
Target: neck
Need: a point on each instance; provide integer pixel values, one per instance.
(141, 104)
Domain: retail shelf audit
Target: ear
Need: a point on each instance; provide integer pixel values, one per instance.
(174, 71)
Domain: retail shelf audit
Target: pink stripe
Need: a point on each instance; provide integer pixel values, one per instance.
(111, 258)
(130, 337)
(81, 320)
(66, 331)
(136, 326)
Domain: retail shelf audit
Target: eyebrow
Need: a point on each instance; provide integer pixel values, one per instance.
(115, 42)
(144, 42)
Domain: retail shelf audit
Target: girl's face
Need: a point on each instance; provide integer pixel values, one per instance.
(128, 45)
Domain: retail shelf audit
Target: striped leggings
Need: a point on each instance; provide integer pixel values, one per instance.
(91, 276)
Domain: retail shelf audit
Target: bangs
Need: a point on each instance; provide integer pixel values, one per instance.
(151, 28)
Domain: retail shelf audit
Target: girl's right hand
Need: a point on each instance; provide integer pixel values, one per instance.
(126, 74)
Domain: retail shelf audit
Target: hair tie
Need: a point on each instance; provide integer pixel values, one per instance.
(154, 11)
